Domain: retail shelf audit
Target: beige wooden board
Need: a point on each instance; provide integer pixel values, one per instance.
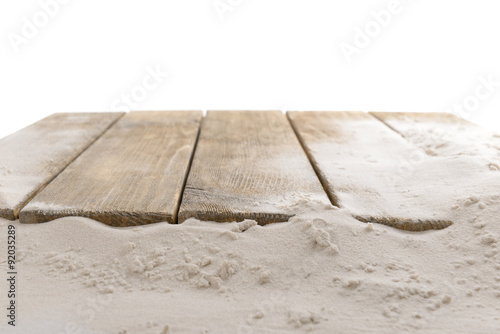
(32, 157)
(444, 134)
(358, 159)
(134, 174)
(249, 165)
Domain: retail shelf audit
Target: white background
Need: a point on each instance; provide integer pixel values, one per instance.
(247, 54)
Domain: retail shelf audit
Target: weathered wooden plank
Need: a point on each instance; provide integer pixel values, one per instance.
(248, 165)
(32, 157)
(134, 174)
(444, 134)
(357, 158)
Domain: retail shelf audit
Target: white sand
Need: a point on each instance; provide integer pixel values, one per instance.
(321, 272)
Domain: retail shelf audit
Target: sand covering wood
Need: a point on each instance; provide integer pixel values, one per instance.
(321, 272)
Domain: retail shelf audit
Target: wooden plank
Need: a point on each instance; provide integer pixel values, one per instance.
(132, 175)
(32, 157)
(356, 157)
(248, 165)
(444, 134)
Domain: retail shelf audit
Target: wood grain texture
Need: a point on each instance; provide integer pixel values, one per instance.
(133, 175)
(444, 134)
(358, 158)
(32, 157)
(248, 165)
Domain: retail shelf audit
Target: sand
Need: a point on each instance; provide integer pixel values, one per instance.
(321, 272)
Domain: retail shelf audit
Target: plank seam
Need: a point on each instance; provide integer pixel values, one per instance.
(416, 147)
(47, 182)
(413, 225)
(405, 224)
(186, 175)
(386, 124)
(322, 180)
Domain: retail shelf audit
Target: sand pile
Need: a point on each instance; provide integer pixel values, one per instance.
(321, 271)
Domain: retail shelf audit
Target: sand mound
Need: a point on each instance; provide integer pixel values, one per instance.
(319, 272)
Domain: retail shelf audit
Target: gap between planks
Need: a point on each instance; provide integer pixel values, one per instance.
(69, 163)
(401, 223)
(35, 155)
(321, 177)
(188, 170)
(248, 165)
(351, 137)
(132, 175)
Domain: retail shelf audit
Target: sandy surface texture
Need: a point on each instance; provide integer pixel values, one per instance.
(321, 271)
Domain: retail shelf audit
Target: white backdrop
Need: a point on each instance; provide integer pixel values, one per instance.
(388, 55)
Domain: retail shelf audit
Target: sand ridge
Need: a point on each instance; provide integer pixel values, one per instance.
(320, 271)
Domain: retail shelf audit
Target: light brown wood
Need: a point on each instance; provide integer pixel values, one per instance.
(32, 157)
(444, 134)
(358, 158)
(134, 174)
(248, 165)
